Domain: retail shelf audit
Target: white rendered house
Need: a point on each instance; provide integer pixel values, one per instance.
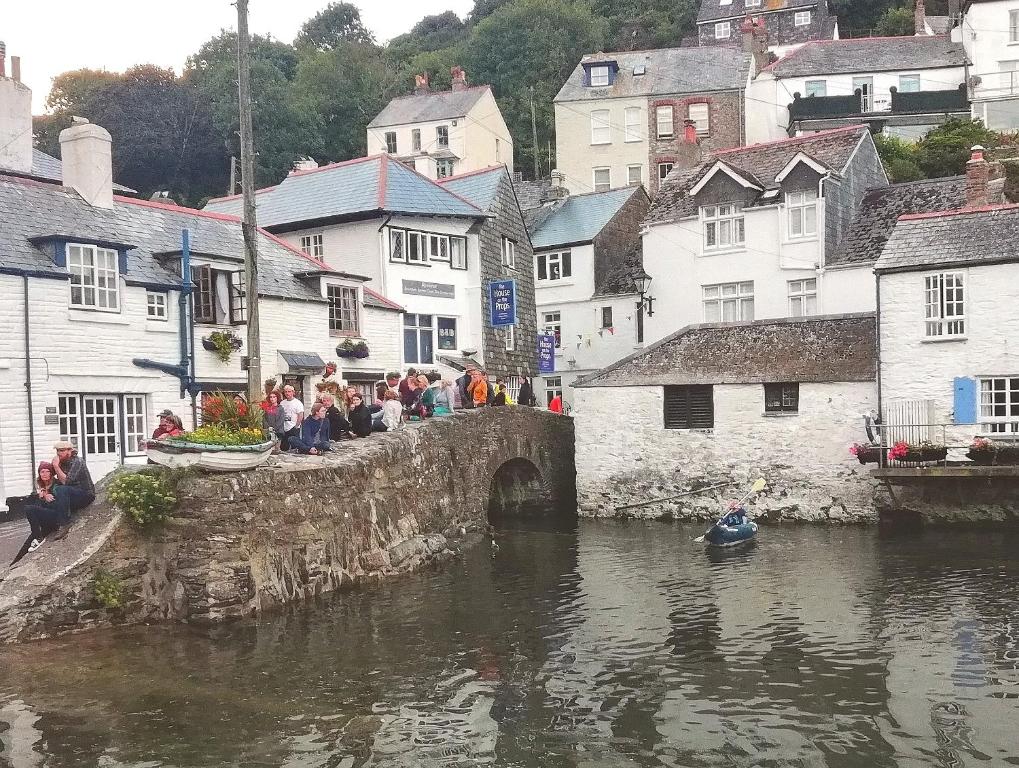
(989, 31)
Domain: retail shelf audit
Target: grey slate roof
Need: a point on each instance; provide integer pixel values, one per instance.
(579, 218)
(882, 206)
(711, 10)
(762, 162)
(33, 209)
(364, 187)
(870, 54)
(529, 193)
(956, 238)
(48, 168)
(822, 348)
(478, 187)
(440, 105)
(668, 71)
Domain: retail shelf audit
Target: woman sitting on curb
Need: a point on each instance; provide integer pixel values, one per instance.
(314, 437)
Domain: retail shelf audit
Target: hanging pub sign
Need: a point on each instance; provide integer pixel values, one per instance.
(546, 353)
(502, 302)
(447, 333)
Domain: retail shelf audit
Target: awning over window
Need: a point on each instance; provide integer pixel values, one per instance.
(303, 362)
(355, 374)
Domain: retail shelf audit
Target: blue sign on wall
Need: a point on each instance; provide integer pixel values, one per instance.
(502, 302)
(546, 353)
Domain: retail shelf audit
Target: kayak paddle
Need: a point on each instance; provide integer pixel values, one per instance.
(757, 487)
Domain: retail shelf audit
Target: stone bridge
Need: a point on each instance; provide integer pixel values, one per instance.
(246, 542)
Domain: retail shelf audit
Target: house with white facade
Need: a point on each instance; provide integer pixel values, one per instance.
(630, 117)
(721, 404)
(585, 260)
(417, 241)
(901, 86)
(989, 31)
(443, 133)
(746, 234)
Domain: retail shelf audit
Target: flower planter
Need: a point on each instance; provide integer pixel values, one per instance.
(1006, 456)
(208, 346)
(218, 458)
(361, 354)
(869, 454)
(921, 455)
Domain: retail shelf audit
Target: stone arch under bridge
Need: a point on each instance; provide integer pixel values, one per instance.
(245, 542)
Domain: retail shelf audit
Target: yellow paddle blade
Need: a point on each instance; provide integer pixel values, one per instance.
(758, 485)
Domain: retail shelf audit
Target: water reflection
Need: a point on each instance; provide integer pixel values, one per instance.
(598, 644)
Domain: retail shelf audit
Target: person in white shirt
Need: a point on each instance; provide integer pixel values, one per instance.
(293, 415)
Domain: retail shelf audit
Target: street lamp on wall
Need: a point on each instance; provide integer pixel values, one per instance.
(645, 303)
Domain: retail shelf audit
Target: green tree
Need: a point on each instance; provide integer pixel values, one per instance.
(335, 24)
(946, 149)
(641, 24)
(895, 22)
(432, 33)
(899, 158)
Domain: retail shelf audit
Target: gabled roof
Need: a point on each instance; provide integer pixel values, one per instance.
(361, 188)
(426, 107)
(710, 10)
(960, 238)
(48, 168)
(814, 349)
(763, 162)
(667, 71)
(33, 211)
(870, 54)
(882, 206)
(530, 193)
(478, 187)
(580, 218)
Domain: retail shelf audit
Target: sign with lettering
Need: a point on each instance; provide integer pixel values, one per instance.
(447, 333)
(546, 353)
(424, 288)
(502, 302)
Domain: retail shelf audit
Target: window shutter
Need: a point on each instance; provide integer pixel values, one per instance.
(965, 400)
(702, 410)
(689, 407)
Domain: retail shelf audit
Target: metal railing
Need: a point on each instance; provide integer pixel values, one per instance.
(939, 440)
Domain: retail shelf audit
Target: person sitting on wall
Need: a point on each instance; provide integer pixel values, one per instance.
(360, 417)
(314, 437)
(500, 395)
(273, 415)
(293, 415)
(409, 394)
(392, 411)
(42, 512)
(339, 427)
(444, 398)
(75, 490)
(170, 425)
(408, 383)
(427, 396)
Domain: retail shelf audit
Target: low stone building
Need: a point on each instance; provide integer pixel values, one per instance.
(717, 405)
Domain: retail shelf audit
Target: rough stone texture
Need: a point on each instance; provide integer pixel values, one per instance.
(246, 542)
(618, 238)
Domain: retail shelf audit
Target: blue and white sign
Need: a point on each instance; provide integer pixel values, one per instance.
(502, 302)
(546, 353)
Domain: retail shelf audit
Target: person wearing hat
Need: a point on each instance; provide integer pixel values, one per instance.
(76, 489)
(170, 425)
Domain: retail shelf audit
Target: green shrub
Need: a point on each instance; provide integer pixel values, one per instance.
(146, 498)
(108, 589)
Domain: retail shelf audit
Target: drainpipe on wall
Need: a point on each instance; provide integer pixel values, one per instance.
(877, 335)
(384, 246)
(28, 385)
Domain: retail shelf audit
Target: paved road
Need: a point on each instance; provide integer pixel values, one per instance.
(12, 536)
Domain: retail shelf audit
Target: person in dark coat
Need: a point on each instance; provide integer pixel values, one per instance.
(526, 396)
(360, 417)
(462, 383)
(339, 427)
(314, 437)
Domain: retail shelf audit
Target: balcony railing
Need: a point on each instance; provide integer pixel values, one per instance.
(948, 100)
(912, 102)
(803, 108)
(991, 85)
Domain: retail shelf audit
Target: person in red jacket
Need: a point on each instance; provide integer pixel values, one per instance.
(556, 404)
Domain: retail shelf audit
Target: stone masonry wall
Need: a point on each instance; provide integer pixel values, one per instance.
(242, 543)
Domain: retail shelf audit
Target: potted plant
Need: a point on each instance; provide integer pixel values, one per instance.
(867, 453)
(345, 348)
(223, 343)
(232, 437)
(988, 452)
(361, 350)
(919, 453)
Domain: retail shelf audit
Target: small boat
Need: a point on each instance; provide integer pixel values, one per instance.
(732, 530)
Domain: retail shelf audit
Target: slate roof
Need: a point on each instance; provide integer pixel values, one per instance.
(762, 162)
(33, 210)
(529, 193)
(579, 218)
(668, 71)
(869, 54)
(478, 187)
(48, 168)
(710, 10)
(419, 108)
(361, 188)
(882, 206)
(814, 349)
(955, 238)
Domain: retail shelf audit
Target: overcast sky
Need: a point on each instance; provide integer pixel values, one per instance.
(53, 36)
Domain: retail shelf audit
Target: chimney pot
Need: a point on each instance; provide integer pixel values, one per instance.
(459, 77)
(86, 155)
(16, 69)
(689, 132)
(421, 83)
(977, 178)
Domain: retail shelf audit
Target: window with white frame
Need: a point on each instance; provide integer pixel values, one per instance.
(444, 167)
(944, 306)
(554, 266)
(601, 129)
(663, 122)
(802, 297)
(397, 245)
(802, 209)
(553, 388)
(95, 277)
(391, 142)
(634, 174)
(801, 19)
(438, 248)
(999, 404)
(723, 225)
(458, 252)
(509, 253)
(599, 76)
(909, 83)
(722, 30)
(415, 139)
(155, 305)
(414, 247)
(552, 324)
(700, 114)
(311, 245)
(69, 418)
(664, 169)
(632, 129)
(782, 398)
(816, 87)
(417, 248)
(1013, 26)
(602, 179)
(134, 425)
(509, 337)
(442, 136)
(418, 338)
(729, 302)
(343, 310)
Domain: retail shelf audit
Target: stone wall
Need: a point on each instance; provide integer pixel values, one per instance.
(243, 543)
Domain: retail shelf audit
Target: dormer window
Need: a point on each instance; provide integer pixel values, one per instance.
(599, 76)
(802, 207)
(95, 277)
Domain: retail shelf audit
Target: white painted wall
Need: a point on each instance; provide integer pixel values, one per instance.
(844, 290)
(984, 33)
(767, 117)
(15, 125)
(577, 157)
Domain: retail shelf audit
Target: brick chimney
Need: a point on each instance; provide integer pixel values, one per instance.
(86, 154)
(977, 177)
(421, 84)
(919, 18)
(755, 41)
(15, 117)
(459, 78)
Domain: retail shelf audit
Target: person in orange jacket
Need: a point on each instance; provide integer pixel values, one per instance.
(478, 389)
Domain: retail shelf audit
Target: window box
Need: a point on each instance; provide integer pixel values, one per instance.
(868, 454)
(989, 453)
(917, 454)
(352, 349)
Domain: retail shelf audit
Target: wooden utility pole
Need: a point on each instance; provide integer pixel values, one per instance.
(249, 225)
(534, 137)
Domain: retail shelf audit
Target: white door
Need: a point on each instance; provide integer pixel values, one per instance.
(100, 431)
(866, 87)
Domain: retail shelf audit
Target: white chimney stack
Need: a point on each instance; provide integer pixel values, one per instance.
(15, 118)
(87, 156)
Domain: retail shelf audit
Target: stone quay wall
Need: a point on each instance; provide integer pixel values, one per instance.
(242, 543)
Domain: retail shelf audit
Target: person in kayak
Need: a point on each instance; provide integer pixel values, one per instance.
(737, 516)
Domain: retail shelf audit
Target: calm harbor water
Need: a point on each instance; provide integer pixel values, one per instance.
(584, 644)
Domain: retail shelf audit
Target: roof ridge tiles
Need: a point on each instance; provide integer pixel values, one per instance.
(239, 194)
(482, 87)
(960, 211)
(174, 208)
(433, 182)
(382, 298)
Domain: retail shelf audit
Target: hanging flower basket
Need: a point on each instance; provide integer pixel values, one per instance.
(866, 453)
(917, 454)
(350, 348)
(361, 350)
(223, 343)
(989, 453)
